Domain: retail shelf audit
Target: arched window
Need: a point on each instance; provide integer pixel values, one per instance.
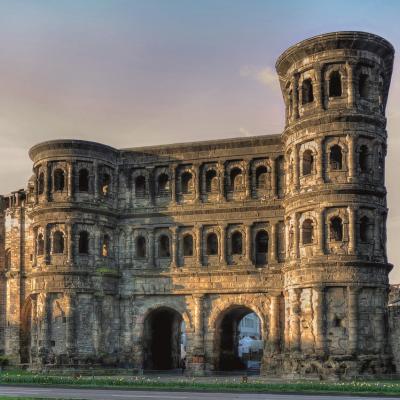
(7, 261)
(261, 245)
(237, 243)
(336, 229)
(58, 242)
(59, 180)
(83, 183)
(41, 183)
(105, 246)
(261, 177)
(83, 242)
(141, 247)
(164, 250)
(105, 184)
(307, 91)
(308, 231)
(40, 244)
(140, 186)
(188, 245)
(163, 184)
(212, 244)
(364, 229)
(363, 88)
(186, 183)
(335, 84)
(308, 163)
(363, 158)
(336, 158)
(236, 179)
(211, 181)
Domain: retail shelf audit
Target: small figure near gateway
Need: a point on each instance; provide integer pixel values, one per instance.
(110, 257)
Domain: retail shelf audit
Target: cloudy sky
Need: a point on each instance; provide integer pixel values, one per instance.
(133, 73)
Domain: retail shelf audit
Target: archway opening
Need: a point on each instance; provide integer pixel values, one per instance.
(163, 340)
(239, 341)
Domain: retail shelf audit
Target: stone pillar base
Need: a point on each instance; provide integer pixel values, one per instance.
(196, 365)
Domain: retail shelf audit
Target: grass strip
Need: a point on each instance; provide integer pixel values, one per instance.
(355, 387)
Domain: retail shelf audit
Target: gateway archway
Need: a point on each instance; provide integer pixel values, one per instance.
(239, 341)
(163, 339)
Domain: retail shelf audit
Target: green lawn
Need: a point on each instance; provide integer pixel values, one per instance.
(231, 385)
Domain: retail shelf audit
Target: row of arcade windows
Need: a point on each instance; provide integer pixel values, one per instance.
(336, 230)
(336, 160)
(164, 246)
(335, 87)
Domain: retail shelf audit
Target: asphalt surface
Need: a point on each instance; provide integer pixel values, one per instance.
(102, 394)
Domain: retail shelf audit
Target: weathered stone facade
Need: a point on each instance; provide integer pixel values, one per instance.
(108, 251)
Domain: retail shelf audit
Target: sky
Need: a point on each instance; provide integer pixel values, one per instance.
(133, 73)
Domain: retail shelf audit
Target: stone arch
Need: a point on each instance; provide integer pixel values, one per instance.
(59, 179)
(140, 182)
(221, 324)
(141, 331)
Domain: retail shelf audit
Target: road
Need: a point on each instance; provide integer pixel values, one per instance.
(111, 394)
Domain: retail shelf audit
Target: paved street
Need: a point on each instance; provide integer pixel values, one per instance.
(102, 394)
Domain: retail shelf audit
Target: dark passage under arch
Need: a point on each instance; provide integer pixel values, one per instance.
(239, 345)
(162, 340)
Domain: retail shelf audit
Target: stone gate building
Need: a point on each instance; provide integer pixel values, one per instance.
(107, 251)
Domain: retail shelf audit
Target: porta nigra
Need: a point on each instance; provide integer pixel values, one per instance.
(109, 256)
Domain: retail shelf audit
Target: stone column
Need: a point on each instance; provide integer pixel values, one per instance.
(380, 321)
(287, 321)
(34, 328)
(198, 343)
(274, 188)
(318, 87)
(96, 180)
(36, 187)
(197, 182)
(70, 243)
(321, 231)
(295, 311)
(296, 241)
(353, 319)
(274, 323)
(223, 244)
(352, 229)
(296, 168)
(151, 245)
(377, 234)
(174, 246)
(46, 329)
(46, 247)
(246, 170)
(70, 184)
(46, 181)
(127, 325)
(295, 86)
(249, 243)
(272, 254)
(319, 318)
(172, 173)
(70, 324)
(320, 160)
(199, 246)
(221, 177)
(97, 328)
(350, 84)
(351, 159)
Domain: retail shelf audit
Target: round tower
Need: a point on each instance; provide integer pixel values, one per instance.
(335, 88)
(74, 262)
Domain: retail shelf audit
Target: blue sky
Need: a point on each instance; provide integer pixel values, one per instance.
(134, 73)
